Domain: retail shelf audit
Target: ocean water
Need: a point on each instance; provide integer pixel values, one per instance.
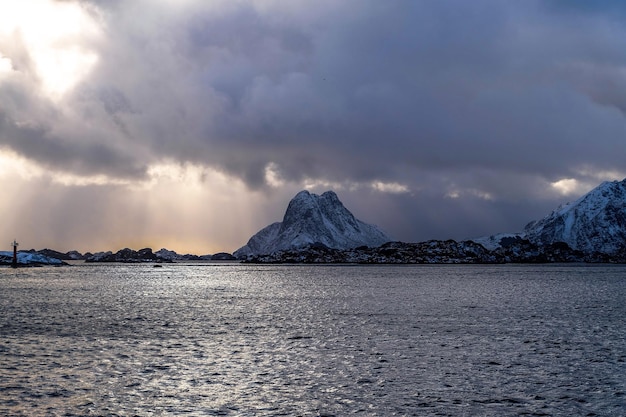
(250, 340)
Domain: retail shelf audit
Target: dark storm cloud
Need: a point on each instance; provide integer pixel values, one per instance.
(432, 215)
(35, 129)
(605, 7)
(489, 98)
(88, 158)
(411, 86)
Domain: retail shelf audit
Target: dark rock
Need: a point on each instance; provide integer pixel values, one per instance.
(127, 255)
(438, 252)
(223, 256)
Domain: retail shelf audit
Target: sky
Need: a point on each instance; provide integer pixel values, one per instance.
(190, 124)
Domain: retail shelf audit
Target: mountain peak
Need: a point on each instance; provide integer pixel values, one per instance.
(596, 222)
(304, 194)
(314, 219)
(330, 195)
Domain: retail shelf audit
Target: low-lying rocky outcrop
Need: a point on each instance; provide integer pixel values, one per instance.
(27, 258)
(127, 255)
(147, 255)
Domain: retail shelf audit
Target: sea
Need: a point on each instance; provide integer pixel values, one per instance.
(229, 339)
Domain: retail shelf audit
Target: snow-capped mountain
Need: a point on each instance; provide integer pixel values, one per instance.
(312, 219)
(596, 222)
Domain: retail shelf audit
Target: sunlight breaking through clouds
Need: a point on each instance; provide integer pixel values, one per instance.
(566, 186)
(13, 166)
(272, 176)
(433, 119)
(54, 36)
(6, 65)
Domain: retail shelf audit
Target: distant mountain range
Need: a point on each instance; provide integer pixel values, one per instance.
(318, 228)
(590, 229)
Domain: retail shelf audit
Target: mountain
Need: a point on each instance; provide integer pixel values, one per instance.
(313, 219)
(596, 222)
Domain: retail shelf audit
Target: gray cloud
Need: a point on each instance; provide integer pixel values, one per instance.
(91, 158)
(490, 96)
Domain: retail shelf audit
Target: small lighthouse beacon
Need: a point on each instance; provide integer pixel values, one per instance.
(14, 262)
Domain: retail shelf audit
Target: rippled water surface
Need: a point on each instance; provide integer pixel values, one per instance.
(241, 340)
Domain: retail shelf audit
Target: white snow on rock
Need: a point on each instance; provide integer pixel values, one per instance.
(494, 242)
(313, 219)
(168, 255)
(27, 258)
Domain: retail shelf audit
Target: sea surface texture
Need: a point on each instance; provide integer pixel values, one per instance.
(249, 340)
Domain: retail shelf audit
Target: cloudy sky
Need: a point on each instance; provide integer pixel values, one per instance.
(190, 124)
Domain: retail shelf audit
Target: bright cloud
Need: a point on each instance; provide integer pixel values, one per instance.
(390, 187)
(53, 34)
(6, 65)
(566, 186)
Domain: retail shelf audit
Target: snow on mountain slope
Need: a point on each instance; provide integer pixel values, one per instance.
(496, 241)
(310, 219)
(260, 242)
(594, 222)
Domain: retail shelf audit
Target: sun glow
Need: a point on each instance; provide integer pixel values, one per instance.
(5, 64)
(54, 36)
(187, 208)
(13, 165)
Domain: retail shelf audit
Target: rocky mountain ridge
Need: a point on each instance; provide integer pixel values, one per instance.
(590, 229)
(594, 223)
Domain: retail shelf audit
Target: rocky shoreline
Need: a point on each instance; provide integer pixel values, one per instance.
(428, 252)
(50, 257)
(439, 252)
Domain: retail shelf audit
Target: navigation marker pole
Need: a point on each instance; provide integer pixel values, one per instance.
(14, 262)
